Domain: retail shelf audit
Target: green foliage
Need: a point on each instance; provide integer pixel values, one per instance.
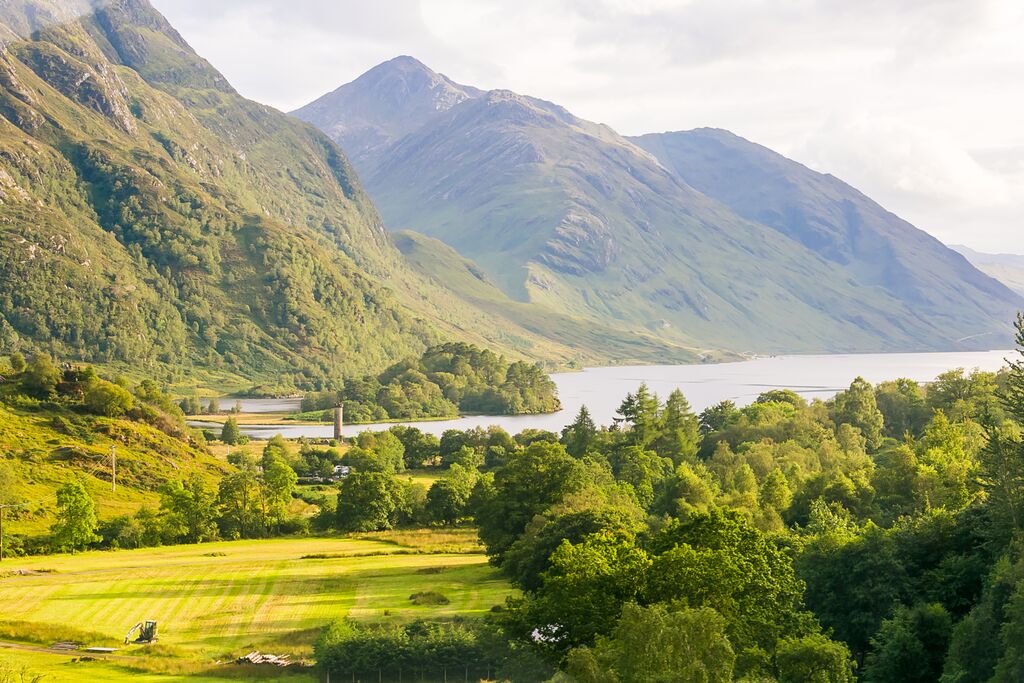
(447, 379)
(75, 527)
(18, 363)
(230, 433)
(368, 501)
(813, 659)
(653, 644)
(910, 647)
(542, 475)
(191, 510)
(41, 376)
(106, 398)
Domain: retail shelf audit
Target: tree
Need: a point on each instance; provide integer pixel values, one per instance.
(230, 433)
(841, 570)
(367, 501)
(903, 407)
(813, 659)
(17, 362)
(239, 498)
(717, 560)
(910, 647)
(448, 497)
(654, 644)
(535, 479)
(641, 412)
(1010, 668)
(75, 527)
(386, 446)
(41, 376)
(579, 436)
(857, 407)
(213, 407)
(104, 398)
(190, 508)
(278, 481)
(680, 430)
(584, 591)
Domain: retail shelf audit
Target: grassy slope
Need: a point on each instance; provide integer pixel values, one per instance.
(51, 446)
(257, 595)
(593, 341)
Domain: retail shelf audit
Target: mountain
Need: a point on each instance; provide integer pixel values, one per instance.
(1007, 268)
(383, 105)
(153, 219)
(570, 217)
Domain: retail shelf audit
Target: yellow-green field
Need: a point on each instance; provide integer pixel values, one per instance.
(217, 601)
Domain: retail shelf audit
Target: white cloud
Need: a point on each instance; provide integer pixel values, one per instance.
(910, 101)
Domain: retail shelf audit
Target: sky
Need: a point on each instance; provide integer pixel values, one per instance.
(917, 103)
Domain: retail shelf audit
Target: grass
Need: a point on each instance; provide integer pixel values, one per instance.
(217, 601)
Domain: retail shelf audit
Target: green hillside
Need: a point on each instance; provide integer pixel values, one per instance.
(567, 214)
(835, 221)
(153, 219)
(44, 445)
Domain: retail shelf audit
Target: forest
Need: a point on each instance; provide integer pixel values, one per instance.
(448, 379)
(875, 537)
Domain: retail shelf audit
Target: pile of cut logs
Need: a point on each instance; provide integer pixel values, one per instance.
(261, 658)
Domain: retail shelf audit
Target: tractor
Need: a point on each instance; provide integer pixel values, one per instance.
(146, 631)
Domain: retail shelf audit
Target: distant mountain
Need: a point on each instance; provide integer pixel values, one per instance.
(1007, 268)
(151, 217)
(570, 216)
(828, 217)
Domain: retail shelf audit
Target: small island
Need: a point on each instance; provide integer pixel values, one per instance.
(448, 380)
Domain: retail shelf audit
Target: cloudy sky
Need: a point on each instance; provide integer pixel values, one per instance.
(918, 103)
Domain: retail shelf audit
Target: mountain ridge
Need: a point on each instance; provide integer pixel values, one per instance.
(569, 215)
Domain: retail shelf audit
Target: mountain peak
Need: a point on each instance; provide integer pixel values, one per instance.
(386, 103)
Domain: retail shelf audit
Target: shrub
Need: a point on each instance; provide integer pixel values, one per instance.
(104, 398)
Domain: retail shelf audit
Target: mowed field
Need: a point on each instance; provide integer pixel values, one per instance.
(216, 601)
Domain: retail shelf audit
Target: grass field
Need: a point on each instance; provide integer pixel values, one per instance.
(217, 601)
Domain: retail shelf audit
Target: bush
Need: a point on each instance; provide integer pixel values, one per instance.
(104, 398)
(429, 598)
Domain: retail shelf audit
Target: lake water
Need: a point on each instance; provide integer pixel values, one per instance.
(602, 389)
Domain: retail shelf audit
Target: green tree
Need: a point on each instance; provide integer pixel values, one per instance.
(641, 413)
(190, 508)
(367, 501)
(17, 362)
(386, 446)
(278, 481)
(41, 376)
(239, 497)
(857, 407)
(579, 436)
(230, 433)
(1010, 668)
(842, 569)
(448, 497)
(910, 647)
(680, 430)
(655, 645)
(813, 659)
(540, 476)
(75, 526)
(584, 591)
(717, 560)
(903, 407)
(104, 398)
